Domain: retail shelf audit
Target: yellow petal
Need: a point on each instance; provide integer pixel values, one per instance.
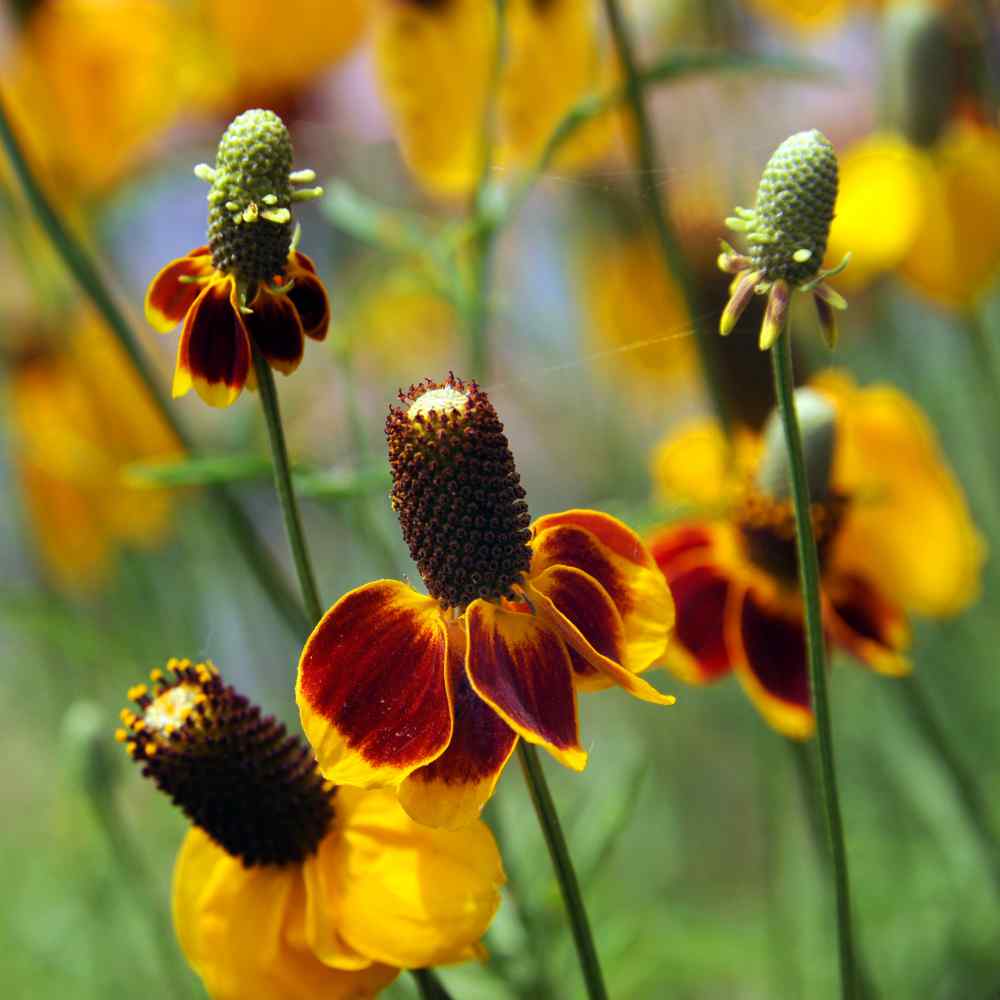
(694, 467)
(805, 16)
(552, 60)
(433, 63)
(909, 529)
(409, 895)
(880, 207)
(956, 253)
(240, 929)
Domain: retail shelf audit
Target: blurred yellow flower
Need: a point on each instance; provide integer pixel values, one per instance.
(894, 533)
(261, 70)
(434, 62)
(79, 415)
(807, 16)
(637, 320)
(286, 886)
(932, 216)
(91, 84)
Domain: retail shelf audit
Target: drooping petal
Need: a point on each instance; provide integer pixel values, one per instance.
(233, 926)
(168, 298)
(213, 353)
(589, 623)
(309, 297)
(371, 686)
(776, 314)
(769, 655)
(520, 667)
(743, 292)
(451, 791)
(408, 894)
(868, 626)
(275, 329)
(908, 529)
(617, 558)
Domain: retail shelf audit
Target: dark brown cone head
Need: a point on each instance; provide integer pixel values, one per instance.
(236, 774)
(457, 493)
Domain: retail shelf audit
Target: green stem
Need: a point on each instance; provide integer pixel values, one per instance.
(548, 818)
(655, 198)
(283, 484)
(80, 264)
(781, 359)
(430, 987)
(966, 787)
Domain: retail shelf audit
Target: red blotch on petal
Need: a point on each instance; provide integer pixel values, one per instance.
(520, 667)
(309, 297)
(168, 299)
(371, 685)
(868, 626)
(214, 350)
(700, 596)
(775, 648)
(452, 790)
(275, 329)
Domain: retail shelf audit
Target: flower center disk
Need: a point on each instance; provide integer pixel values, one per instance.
(457, 493)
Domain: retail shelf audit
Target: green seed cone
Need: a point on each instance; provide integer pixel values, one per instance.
(251, 177)
(794, 209)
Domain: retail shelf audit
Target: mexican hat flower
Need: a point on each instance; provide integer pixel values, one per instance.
(787, 230)
(79, 415)
(286, 886)
(893, 531)
(248, 288)
(429, 693)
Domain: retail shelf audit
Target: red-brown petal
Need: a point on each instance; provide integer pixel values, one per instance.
(701, 594)
(214, 350)
(275, 329)
(452, 790)
(371, 686)
(309, 297)
(769, 653)
(168, 299)
(520, 667)
(578, 608)
(869, 626)
(671, 543)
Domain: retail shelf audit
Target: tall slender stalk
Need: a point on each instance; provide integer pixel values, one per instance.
(548, 818)
(781, 359)
(283, 485)
(655, 200)
(81, 266)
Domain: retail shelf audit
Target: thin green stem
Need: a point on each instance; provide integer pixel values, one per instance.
(781, 358)
(283, 484)
(655, 199)
(548, 818)
(81, 266)
(963, 780)
(430, 987)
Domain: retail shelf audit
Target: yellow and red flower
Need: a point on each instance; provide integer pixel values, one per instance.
(429, 694)
(248, 288)
(893, 531)
(214, 353)
(286, 886)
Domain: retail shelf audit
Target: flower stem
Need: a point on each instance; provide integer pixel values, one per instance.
(781, 359)
(283, 484)
(548, 819)
(966, 787)
(81, 266)
(430, 987)
(655, 199)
